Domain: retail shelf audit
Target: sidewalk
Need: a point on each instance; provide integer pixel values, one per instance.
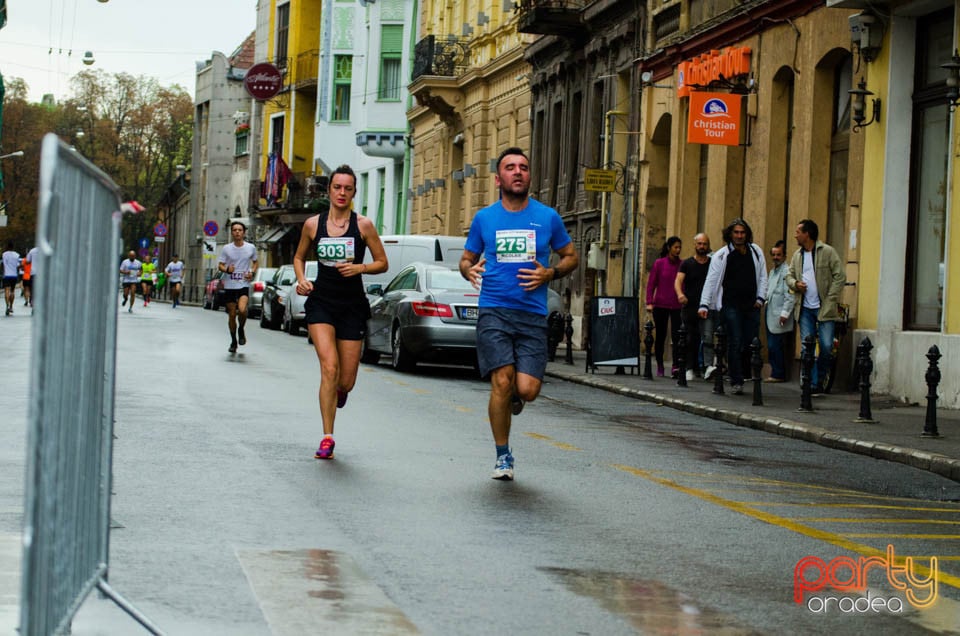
(894, 435)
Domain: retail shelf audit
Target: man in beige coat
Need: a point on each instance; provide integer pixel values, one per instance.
(817, 276)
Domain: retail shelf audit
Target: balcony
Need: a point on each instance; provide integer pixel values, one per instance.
(550, 17)
(440, 56)
(306, 70)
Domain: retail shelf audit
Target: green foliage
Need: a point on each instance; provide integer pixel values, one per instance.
(130, 127)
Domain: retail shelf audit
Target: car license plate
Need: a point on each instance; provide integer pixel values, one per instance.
(468, 313)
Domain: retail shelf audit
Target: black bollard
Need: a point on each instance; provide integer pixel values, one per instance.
(933, 379)
(569, 333)
(648, 343)
(864, 370)
(554, 334)
(680, 355)
(756, 364)
(806, 373)
(720, 353)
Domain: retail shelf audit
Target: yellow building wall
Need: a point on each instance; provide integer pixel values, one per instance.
(299, 108)
(489, 104)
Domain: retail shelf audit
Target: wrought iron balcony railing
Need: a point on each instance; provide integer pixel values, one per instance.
(549, 17)
(447, 56)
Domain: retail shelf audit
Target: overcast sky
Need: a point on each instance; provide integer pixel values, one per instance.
(162, 39)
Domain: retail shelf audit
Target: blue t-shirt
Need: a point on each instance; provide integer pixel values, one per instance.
(512, 241)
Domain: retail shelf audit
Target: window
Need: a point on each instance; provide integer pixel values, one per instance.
(243, 140)
(343, 73)
(283, 29)
(391, 48)
(276, 135)
(929, 158)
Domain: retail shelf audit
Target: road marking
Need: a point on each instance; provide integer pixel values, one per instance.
(553, 442)
(747, 509)
(872, 520)
(319, 591)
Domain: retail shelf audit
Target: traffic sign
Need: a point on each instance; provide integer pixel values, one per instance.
(210, 228)
(159, 229)
(595, 180)
(144, 243)
(159, 239)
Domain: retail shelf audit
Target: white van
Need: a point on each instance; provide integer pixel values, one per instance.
(403, 249)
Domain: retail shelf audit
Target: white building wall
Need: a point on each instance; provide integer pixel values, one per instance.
(335, 143)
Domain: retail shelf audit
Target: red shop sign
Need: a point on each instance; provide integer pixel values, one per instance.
(263, 81)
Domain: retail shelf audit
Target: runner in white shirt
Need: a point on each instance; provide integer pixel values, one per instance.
(174, 272)
(11, 274)
(239, 260)
(130, 271)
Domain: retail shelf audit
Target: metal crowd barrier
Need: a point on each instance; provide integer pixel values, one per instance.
(70, 438)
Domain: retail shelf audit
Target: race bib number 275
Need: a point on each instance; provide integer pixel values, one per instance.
(516, 246)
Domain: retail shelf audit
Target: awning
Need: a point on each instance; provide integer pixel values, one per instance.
(276, 235)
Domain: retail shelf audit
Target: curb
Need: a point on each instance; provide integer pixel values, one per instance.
(923, 460)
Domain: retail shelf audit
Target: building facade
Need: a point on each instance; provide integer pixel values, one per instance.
(469, 80)
(361, 110)
(219, 94)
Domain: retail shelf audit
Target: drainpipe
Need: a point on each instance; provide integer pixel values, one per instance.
(401, 219)
(607, 131)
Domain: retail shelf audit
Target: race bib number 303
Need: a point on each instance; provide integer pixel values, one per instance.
(516, 246)
(333, 250)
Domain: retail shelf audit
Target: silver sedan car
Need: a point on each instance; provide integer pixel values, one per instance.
(427, 313)
(294, 311)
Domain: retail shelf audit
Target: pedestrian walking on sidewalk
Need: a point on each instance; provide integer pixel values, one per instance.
(11, 274)
(174, 271)
(130, 272)
(337, 309)
(689, 288)
(736, 288)
(817, 275)
(508, 249)
(662, 300)
(238, 259)
(779, 313)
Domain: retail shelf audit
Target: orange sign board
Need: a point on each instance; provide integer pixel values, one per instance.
(715, 65)
(714, 118)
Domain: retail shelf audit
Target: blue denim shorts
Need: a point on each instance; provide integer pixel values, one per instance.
(511, 337)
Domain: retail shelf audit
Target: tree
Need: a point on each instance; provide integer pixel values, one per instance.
(130, 127)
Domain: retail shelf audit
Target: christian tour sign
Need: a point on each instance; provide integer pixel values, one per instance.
(714, 118)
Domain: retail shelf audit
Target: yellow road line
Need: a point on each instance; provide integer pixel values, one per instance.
(782, 522)
(872, 520)
(553, 442)
(881, 535)
(813, 504)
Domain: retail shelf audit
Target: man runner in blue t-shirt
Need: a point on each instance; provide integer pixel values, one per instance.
(508, 247)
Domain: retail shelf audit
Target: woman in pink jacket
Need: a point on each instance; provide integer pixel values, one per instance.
(662, 298)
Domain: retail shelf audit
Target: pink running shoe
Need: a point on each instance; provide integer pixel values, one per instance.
(341, 398)
(326, 448)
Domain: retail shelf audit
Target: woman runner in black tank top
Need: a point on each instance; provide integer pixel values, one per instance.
(336, 307)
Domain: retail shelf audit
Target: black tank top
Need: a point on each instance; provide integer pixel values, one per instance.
(330, 287)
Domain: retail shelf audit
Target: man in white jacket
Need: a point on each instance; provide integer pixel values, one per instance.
(736, 288)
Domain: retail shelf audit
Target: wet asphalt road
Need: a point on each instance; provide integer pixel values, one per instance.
(625, 517)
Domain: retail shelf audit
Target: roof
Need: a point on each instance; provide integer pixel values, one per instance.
(243, 56)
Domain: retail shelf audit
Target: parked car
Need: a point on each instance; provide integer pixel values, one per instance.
(428, 312)
(213, 292)
(275, 296)
(257, 285)
(403, 249)
(294, 314)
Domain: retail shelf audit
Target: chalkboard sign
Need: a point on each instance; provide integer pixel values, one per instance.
(614, 332)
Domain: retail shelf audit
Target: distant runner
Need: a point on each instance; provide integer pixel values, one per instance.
(130, 270)
(174, 272)
(239, 259)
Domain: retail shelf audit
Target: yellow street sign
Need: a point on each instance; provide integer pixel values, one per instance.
(595, 180)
